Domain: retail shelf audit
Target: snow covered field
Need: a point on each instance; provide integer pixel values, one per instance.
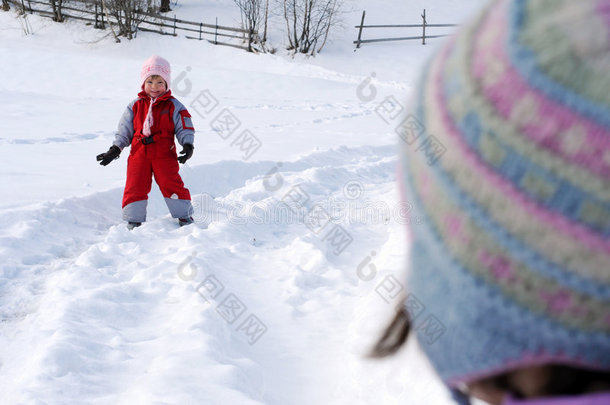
(261, 301)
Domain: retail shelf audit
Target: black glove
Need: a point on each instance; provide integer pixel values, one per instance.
(187, 151)
(105, 158)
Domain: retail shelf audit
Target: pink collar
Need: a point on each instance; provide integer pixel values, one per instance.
(601, 398)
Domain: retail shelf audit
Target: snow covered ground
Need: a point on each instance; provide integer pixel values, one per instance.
(299, 247)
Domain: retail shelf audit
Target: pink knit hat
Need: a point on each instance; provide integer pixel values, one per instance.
(156, 65)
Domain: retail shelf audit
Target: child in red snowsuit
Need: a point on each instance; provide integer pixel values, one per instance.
(149, 125)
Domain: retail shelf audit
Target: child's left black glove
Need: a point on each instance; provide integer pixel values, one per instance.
(187, 152)
(105, 158)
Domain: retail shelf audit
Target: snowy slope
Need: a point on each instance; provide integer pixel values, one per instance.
(122, 317)
(259, 301)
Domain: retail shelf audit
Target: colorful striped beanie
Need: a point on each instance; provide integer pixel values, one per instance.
(506, 157)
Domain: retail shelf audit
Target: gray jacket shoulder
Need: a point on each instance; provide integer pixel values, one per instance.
(125, 130)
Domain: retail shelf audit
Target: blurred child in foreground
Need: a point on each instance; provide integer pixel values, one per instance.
(513, 258)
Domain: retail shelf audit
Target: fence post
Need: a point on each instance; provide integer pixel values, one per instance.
(102, 17)
(360, 31)
(216, 33)
(423, 38)
(175, 24)
(200, 29)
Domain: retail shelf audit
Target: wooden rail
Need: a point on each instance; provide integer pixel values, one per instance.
(423, 26)
(151, 22)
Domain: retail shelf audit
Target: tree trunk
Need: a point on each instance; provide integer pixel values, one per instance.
(266, 17)
(294, 28)
(164, 6)
(305, 37)
(60, 17)
(288, 24)
(54, 7)
(330, 19)
(105, 11)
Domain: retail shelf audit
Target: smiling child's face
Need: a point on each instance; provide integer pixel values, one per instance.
(154, 86)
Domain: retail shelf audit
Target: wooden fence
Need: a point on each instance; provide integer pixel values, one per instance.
(92, 12)
(423, 26)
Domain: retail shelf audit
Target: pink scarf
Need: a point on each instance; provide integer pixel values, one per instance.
(148, 121)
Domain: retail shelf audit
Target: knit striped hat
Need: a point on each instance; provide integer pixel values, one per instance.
(507, 159)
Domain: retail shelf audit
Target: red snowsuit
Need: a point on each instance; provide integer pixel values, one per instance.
(155, 155)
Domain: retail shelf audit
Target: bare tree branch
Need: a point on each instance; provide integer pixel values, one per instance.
(105, 11)
(129, 14)
(251, 17)
(308, 22)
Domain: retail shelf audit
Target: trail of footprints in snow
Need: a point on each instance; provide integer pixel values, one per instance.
(352, 111)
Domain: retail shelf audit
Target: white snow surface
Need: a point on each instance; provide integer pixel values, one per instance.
(254, 303)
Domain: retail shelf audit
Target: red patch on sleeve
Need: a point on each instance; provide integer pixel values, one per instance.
(187, 123)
